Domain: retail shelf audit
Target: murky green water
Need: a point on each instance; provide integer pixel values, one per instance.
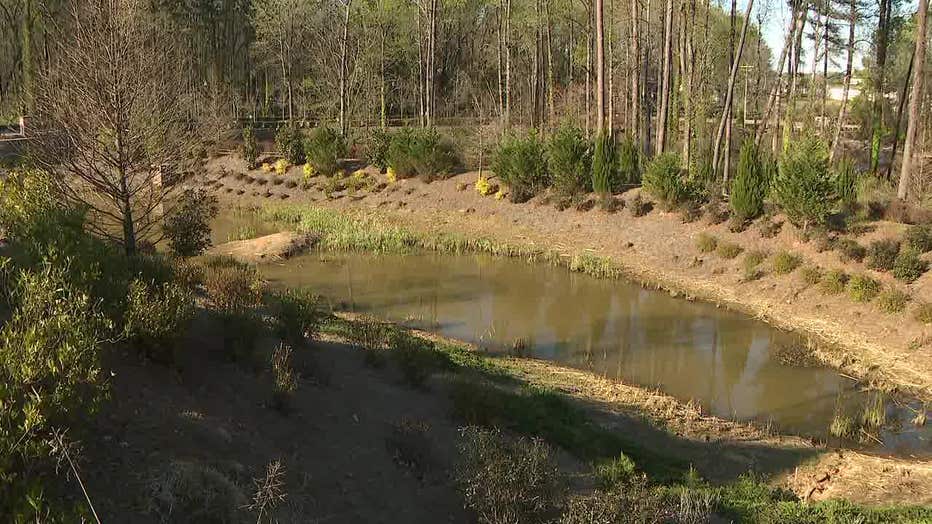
(725, 361)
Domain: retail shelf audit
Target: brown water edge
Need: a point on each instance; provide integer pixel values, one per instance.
(726, 363)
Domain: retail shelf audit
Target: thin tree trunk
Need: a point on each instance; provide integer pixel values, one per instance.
(501, 64)
(344, 46)
(600, 66)
(899, 115)
(883, 36)
(507, 64)
(849, 68)
(635, 73)
(790, 117)
(611, 67)
(550, 104)
(764, 118)
(915, 100)
(663, 114)
(731, 88)
(729, 120)
(690, 78)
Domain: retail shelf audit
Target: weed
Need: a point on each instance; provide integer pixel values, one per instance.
(285, 382)
(298, 313)
(769, 228)
(843, 425)
(923, 313)
(728, 250)
(892, 301)
(640, 206)
(507, 480)
(881, 254)
(410, 445)
(243, 232)
(417, 358)
(920, 238)
(874, 415)
(615, 472)
(186, 492)
(811, 275)
(834, 282)
(269, 490)
(706, 243)
(785, 262)
(862, 288)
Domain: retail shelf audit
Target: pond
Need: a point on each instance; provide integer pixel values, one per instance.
(727, 362)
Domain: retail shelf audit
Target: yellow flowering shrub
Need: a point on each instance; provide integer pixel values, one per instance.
(500, 194)
(281, 167)
(266, 167)
(483, 187)
(391, 176)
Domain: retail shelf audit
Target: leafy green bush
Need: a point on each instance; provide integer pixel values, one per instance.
(785, 262)
(569, 158)
(421, 152)
(908, 266)
(188, 227)
(750, 185)
(706, 243)
(728, 250)
(298, 314)
(324, 149)
(290, 143)
(892, 301)
(803, 187)
(665, 180)
(158, 318)
(604, 173)
(250, 148)
(629, 161)
(507, 480)
(881, 254)
(521, 163)
(920, 238)
(846, 183)
(49, 373)
(377, 146)
(834, 282)
(862, 288)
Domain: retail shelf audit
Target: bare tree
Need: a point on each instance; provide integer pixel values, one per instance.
(915, 100)
(110, 120)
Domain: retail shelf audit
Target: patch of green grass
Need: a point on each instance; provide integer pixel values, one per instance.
(874, 414)
(892, 301)
(785, 262)
(833, 282)
(243, 232)
(862, 288)
(728, 250)
(706, 243)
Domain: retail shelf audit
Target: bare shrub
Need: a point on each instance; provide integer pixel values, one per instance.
(185, 492)
(269, 490)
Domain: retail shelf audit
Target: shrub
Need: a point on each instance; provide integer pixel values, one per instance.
(750, 185)
(803, 187)
(250, 149)
(755, 258)
(635, 501)
(629, 161)
(850, 250)
(521, 164)
(323, 149)
(188, 227)
(604, 174)
(281, 167)
(639, 206)
(664, 180)
(285, 382)
(289, 142)
(157, 319)
(862, 288)
(920, 238)
(569, 161)
(232, 287)
(728, 250)
(298, 315)
(846, 184)
(892, 301)
(785, 262)
(908, 266)
(507, 480)
(834, 282)
(421, 152)
(923, 313)
(706, 243)
(377, 149)
(811, 275)
(881, 254)
(186, 492)
(615, 472)
(417, 358)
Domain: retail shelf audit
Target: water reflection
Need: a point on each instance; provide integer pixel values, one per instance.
(723, 360)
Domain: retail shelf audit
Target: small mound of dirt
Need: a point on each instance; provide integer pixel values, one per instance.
(277, 246)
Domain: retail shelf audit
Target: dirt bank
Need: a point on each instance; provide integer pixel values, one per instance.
(268, 248)
(658, 249)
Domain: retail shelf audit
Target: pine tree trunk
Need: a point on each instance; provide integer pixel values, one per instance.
(849, 68)
(731, 88)
(915, 100)
(899, 115)
(600, 66)
(764, 118)
(663, 114)
(635, 74)
(883, 37)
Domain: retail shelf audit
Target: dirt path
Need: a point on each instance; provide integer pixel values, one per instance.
(657, 249)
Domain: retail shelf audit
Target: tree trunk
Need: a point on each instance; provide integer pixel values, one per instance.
(915, 100)
(611, 68)
(507, 64)
(731, 88)
(663, 113)
(635, 73)
(599, 67)
(690, 78)
(344, 45)
(842, 111)
(550, 104)
(729, 120)
(883, 37)
(764, 117)
(796, 51)
(899, 115)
